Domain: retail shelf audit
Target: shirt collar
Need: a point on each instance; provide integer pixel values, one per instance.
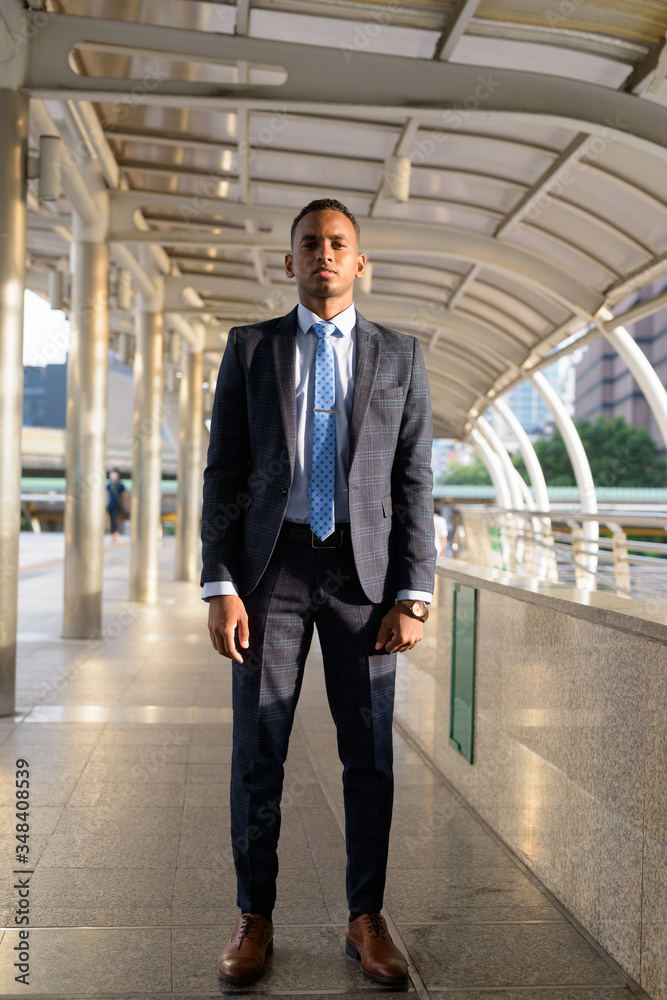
(345, 321)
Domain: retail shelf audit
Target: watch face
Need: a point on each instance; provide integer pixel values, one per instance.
(418, 608)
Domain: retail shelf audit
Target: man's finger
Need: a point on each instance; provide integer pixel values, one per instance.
(214, 639)
(219, 644)
(230, 646)
(244, 633)
(383, 635)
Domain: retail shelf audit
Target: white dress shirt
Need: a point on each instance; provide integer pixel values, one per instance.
(344, 344)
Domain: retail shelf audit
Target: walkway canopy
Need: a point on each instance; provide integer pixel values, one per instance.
(506, 161)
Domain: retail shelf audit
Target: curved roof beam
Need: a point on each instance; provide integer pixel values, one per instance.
(475, 376)
(386, 236)
(453, 326)
(342, 193)
(481, 355)
(633, 187)
(481, 309)
(630, 283)
(571, 245)
(501, 180)
(609, 226)
(443, 375)
(492, 341)
(365, 84)
(471, 358)
(452, 415)
(453, 390)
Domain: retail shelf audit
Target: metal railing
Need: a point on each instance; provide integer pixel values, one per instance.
(551, 545)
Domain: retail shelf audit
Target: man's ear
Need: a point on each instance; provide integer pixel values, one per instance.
(361, 264)
(289, 269)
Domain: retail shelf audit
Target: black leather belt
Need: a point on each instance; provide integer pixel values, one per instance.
(302, 533)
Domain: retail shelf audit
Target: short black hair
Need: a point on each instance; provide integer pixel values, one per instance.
(325, 205)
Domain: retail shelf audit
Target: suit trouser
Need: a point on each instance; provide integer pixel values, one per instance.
(300, 588)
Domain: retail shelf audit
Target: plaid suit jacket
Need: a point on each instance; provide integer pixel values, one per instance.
(251, 458)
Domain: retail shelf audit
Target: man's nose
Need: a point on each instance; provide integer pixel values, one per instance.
(325, 252)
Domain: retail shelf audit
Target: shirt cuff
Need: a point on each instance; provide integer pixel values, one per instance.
(415, 595)
(219, 588)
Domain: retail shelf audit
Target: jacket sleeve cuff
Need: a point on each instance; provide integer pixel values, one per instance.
(415, 595)
(218, 588)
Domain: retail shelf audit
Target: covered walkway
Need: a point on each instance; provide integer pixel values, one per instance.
(128, 741)
(506, 161)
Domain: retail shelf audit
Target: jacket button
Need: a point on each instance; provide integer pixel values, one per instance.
(283, 492)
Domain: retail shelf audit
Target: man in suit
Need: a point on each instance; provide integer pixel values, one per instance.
(318, 510)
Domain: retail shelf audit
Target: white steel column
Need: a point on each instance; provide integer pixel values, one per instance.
(13, 154)
(494, 466)
(582, 474)
(514, 482)
(503, 497)
(87, 379)
(545, 562)
(528, 454)
(641, 368)
(510, 473)
(147, 447)
(190, 471)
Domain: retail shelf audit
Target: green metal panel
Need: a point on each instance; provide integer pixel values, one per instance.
(462, 704)
(496, 546)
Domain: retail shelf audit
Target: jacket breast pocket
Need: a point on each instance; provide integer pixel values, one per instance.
(392, 396)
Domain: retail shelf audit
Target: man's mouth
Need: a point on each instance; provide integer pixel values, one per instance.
(326, 271)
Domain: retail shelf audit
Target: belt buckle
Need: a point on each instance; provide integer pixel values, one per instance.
(313, 536)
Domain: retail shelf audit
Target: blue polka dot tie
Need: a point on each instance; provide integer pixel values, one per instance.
(322, 488)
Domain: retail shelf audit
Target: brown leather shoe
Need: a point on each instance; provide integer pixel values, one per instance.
(367, 938)
(251, 942)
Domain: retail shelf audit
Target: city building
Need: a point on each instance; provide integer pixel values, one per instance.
(44, 396)
(45, 411)
(604, 385)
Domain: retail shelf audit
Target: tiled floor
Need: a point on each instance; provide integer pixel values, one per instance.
(128, 742)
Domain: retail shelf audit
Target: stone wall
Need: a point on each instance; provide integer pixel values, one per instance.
(570, 748)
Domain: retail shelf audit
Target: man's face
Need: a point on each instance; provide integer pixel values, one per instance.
(324, 258)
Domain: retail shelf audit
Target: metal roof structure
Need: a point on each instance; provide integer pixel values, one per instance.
(536, 132)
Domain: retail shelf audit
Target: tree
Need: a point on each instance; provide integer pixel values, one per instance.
(619, 455)
(465, 474)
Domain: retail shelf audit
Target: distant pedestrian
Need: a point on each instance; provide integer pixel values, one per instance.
(116, 503)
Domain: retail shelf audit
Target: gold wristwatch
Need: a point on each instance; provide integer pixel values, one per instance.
(416, 609)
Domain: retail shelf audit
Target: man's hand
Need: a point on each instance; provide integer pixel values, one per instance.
(226, 613)
(399, 631)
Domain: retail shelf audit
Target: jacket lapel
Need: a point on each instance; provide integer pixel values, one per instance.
(368, 359)
(283, 343)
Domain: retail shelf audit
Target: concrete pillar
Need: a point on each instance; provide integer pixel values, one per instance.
(13, 152)
(188, 515)
(87, 377)
(147, 447)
